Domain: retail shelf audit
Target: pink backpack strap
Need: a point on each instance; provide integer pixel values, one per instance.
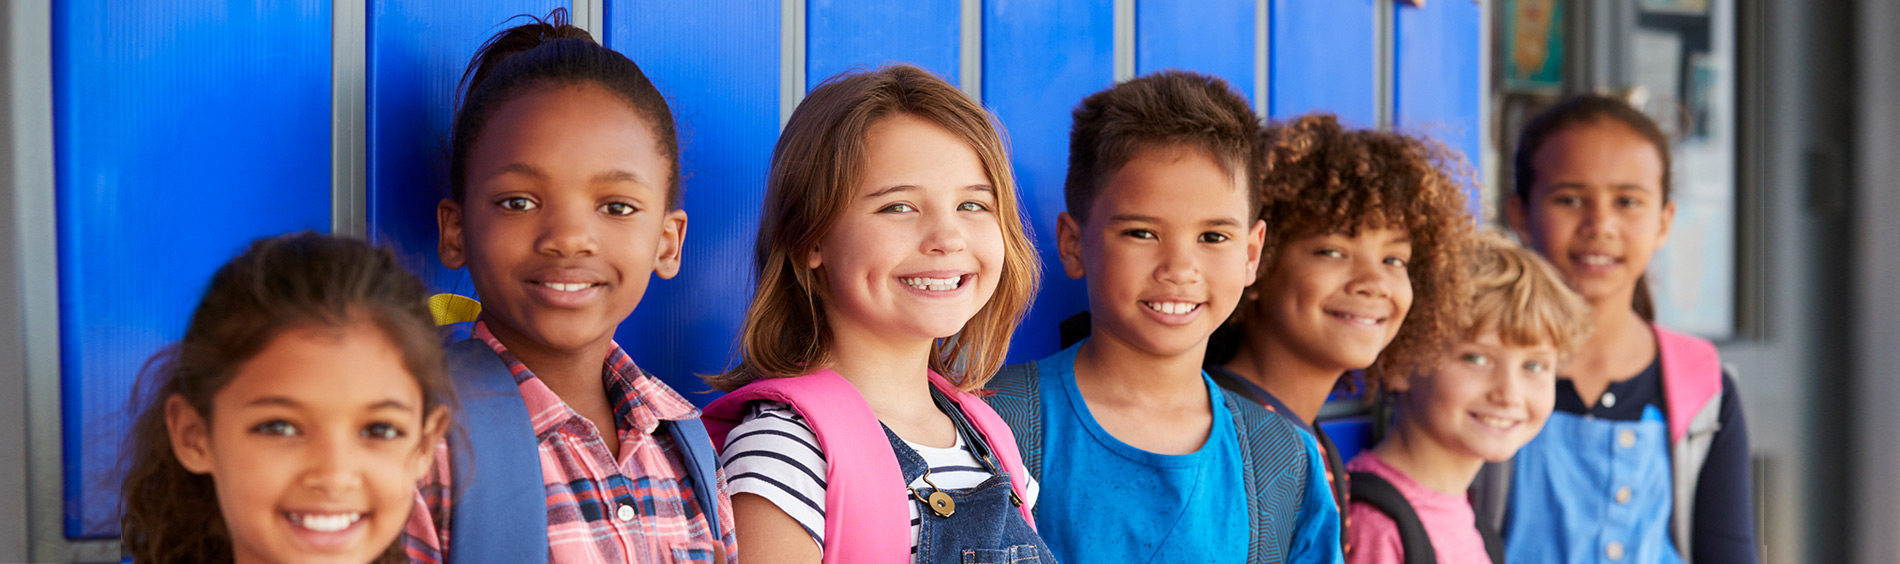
(996, 433)
(1692, 374)
(866, 516)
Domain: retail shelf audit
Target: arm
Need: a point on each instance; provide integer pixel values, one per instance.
(769, 535)
(1724, 530)
(1316, 533)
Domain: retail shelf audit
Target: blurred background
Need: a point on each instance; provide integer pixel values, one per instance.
(144, 143)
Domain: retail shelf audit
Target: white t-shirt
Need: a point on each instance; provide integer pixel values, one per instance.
(774, 454)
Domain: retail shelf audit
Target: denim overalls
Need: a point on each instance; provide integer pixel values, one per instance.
(983, 525)
(1589, 490)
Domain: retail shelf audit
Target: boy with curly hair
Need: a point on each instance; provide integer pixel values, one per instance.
(1361, 269)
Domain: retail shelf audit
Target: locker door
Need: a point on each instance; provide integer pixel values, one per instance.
(181, 133)
(1323, 60)
(416, 54)
(842, 34)
(1039, 60)
(1436, 91)
(717, 62)
(1213, 37)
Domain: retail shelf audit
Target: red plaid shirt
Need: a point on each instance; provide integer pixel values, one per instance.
(600, 510)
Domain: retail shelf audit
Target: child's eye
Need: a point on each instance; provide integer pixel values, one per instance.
(972, 207)
(1330, 253)
(517, 204)
(1475, 359)
(276, 428)
(1536, 367)
(1140, 234)
(1395, 261)
(383, 431)
(1628, 202)
(898, 208)
(1567, 201)
(618, 209)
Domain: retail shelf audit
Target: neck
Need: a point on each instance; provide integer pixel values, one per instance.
(558, 368)
(1303, 386)
(892, 374)
(1427, 461)
(1618, 333)
(1115, 368)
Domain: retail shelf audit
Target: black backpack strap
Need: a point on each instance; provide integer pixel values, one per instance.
(1493, 544)
(1016, 395)
(1382, 495)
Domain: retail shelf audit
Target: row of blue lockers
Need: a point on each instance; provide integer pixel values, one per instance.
(185, 129)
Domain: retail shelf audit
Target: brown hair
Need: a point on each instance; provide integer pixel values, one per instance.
(1588, 110)
(1317, 178)
(815, 168)
(1168, 108)
(1519, 295)
(280, 283)
(551, 52)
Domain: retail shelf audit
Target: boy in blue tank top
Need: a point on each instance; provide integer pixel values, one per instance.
(1141, 456)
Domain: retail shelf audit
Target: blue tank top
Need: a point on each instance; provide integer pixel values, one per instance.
(1588, 489)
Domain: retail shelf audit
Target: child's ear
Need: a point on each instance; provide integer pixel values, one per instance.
(1069, 245)
(814, 259)
(1256, 243)
(672, 242)
(448, 222)
(191, 438)
(434, 426)
(1668, 219)
(1514, 215)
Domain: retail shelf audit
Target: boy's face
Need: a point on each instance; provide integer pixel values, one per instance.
(1334, 301)
(1486, 399)
(919, 248)
(1166, 249)
(315, 446)
(564, 218)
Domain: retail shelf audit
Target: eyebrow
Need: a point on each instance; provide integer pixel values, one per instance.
(528, 170)
(1138, 218)
(887, 190)
(281, 401)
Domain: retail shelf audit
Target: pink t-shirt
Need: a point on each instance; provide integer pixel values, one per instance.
(1448, 520)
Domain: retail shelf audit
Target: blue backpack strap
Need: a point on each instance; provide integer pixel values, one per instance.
(702, 467)
(1016, 395)
(1275, 466)
(500, 510)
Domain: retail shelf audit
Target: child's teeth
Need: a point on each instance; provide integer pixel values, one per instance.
(1172, 308)
(327, 523)
(568, 287)
(927, 283)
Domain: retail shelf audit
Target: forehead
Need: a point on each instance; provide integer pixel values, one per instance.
(1598, 152)
(325, 368)
(578, 129)
(1172, 183)
(905, 149)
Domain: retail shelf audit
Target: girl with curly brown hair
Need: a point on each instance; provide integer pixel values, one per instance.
(292, 421)
(1361, 268)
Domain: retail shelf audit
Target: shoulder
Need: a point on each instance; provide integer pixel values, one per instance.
(1373, 536)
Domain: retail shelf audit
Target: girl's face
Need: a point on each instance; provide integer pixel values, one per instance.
(315, 446)
(1335, 301)
(564, 218)
(919, 247)
(1486, 399)
(1596, 211)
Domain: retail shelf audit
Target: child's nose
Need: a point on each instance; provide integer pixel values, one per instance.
(1371, 278)
(567, 233)
(1178, 265)
(944, 236)
(332, 467)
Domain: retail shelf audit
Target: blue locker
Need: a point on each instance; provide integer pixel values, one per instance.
(845, 34)
(416, 54)
(1436, 91)
(1322, 59)
(1214, 37)
(1032, 90)
(717, 63)
(182, 132)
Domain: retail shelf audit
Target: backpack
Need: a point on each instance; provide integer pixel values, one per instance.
(499, 499)
(1376, 491)
(1265, 441)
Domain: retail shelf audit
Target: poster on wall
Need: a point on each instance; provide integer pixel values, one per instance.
(1533, 49)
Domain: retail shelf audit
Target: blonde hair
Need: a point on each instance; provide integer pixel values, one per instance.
(815, 167)
(1517, 294)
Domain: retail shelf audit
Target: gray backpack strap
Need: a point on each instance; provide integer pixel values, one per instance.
(1017, 397)
(1491, 493)
(1274, 469)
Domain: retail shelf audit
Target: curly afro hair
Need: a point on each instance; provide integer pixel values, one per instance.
(1317, 177)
